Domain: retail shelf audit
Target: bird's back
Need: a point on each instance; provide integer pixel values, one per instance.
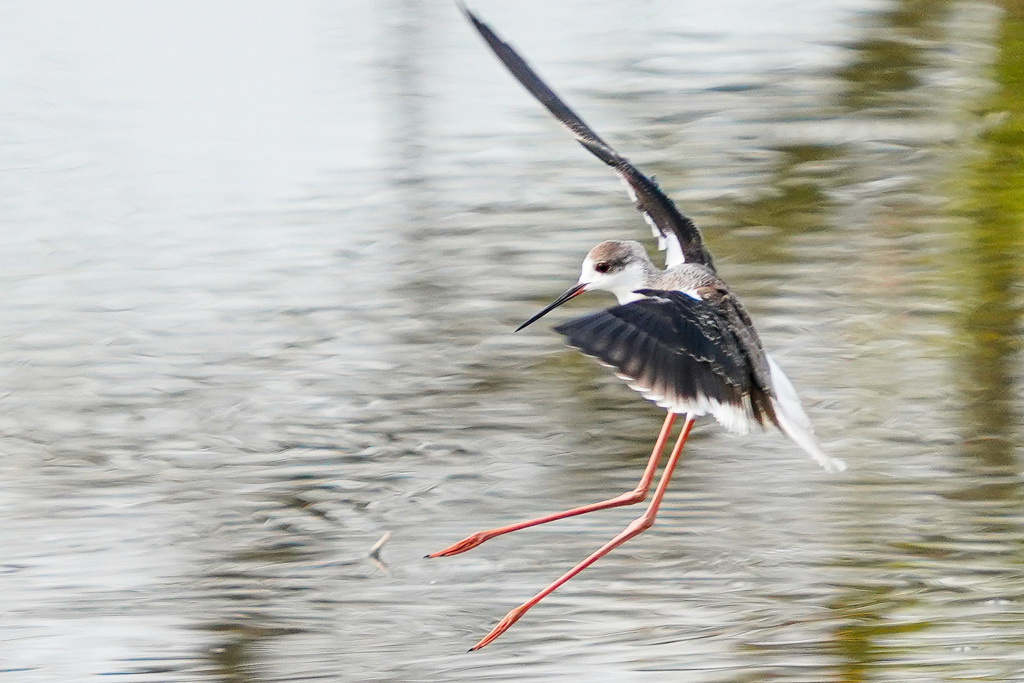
(700, 282)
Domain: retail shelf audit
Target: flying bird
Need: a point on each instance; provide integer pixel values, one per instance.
(678, 335)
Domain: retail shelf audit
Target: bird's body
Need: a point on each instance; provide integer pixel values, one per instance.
(678, 335)
(682, 339)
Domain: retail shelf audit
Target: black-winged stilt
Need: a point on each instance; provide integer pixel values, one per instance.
(679, 336)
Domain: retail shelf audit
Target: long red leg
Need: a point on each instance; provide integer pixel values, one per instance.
(637, 526)
(629, 498)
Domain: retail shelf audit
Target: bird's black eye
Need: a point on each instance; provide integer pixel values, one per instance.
(602, 266)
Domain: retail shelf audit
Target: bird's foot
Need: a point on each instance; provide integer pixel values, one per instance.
(468, 543)
(503, 625)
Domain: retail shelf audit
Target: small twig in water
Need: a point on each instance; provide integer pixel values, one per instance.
(375, 553)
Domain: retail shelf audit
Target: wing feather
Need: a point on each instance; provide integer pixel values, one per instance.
(677, 351)
(677, 235)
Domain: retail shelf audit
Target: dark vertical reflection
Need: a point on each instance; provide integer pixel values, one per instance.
(990, 266)
(990, 274)
(866, 638)
(415, 279)
(406, 105)
(891, 59)
(796, 202)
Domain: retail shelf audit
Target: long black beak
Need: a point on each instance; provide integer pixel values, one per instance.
(575, 290)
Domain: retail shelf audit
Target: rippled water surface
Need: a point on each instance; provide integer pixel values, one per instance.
(261, 264)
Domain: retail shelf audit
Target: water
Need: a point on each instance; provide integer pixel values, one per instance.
(261, 264)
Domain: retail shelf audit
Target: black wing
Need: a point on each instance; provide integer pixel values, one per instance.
(676, 233)
(679, 352)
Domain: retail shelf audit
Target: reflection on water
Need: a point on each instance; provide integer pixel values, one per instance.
(261, 271)
(894, 55)
(990, 261)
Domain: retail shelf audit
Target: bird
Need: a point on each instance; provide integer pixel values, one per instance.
(679, 336)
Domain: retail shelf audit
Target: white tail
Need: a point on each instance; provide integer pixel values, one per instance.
(794, 421)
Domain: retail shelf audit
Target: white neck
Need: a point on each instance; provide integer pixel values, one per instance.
(626, 296)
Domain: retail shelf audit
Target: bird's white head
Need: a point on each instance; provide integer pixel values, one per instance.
(618, 266)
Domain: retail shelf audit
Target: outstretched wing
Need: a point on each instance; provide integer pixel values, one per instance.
(676, 233)
(680, 353)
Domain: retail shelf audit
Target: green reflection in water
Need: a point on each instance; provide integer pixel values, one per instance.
(989, 267)
(987, 270)
(866, 637)
(796, 201)
(891, 60)
(886, 78)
